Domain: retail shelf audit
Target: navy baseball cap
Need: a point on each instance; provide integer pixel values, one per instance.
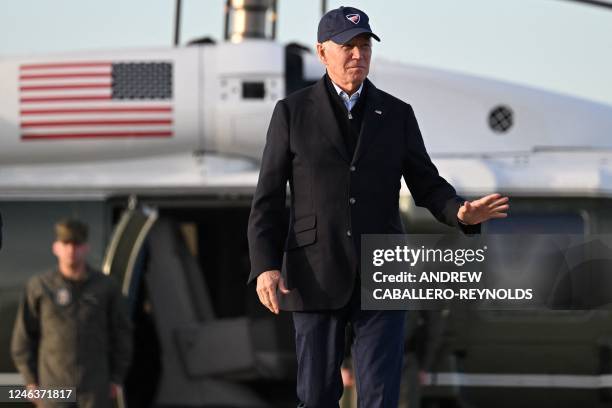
(342, 24)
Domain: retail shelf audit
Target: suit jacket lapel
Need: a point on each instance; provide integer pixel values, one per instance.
(326, 120)
(372, 118)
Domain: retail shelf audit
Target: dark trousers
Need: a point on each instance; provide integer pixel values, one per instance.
(377, 355)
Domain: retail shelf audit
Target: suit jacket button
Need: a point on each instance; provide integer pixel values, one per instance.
(348, 233)
(352, 200)
(352, 168)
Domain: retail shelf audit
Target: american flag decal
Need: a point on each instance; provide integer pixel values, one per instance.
(93, 99)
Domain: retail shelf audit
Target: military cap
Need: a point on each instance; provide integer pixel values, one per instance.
(71, 230)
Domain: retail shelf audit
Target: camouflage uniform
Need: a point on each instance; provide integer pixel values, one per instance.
(73, 333)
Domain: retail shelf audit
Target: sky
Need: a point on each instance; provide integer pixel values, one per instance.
(555, 45)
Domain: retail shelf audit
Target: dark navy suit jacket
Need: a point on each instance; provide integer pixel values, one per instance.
(334, 197)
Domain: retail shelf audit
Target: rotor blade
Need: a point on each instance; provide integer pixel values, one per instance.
(598, 3)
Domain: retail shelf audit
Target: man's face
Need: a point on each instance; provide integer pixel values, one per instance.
(70, 254)
(347, 64)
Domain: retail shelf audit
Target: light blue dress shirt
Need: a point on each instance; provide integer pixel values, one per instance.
(349, 101)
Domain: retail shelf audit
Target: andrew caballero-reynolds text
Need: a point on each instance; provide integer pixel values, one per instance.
(435, 285)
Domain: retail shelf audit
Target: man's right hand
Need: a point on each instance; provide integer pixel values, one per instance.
(33, 387)
(267, 283)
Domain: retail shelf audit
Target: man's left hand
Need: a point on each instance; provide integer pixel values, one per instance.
(483, 209)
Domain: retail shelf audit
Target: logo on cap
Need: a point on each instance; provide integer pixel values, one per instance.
(354, 18)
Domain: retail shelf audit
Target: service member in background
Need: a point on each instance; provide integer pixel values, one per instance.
(73, 328)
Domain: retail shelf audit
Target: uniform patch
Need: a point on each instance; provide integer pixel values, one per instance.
(354, 18)
(63, 297)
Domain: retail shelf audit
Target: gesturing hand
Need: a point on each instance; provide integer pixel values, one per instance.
(483, 209)
(267, 283)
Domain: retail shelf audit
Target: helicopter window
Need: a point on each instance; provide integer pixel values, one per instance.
(538, 223)
(253, 90)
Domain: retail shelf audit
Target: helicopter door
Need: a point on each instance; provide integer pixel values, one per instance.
(122, 257)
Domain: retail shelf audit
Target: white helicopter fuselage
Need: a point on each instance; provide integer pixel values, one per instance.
(70, 125)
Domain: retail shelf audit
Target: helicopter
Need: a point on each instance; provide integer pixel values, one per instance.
(158, 151)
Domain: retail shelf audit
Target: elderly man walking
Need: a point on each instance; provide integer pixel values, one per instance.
(343, 145)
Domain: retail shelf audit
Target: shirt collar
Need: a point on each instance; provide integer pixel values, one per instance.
(340, 91)
(86, 276)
